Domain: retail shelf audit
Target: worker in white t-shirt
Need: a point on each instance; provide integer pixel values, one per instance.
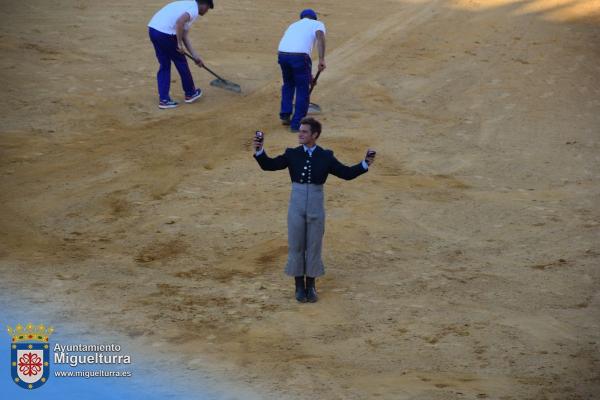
(294, 57)
(168, 30)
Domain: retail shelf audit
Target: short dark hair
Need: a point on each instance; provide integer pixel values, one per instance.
(315, 126)
(207, 2)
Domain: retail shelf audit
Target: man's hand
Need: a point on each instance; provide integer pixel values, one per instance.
(198, 60)
(180, 47)
(322, 65)
(257, 143)
(370, 157)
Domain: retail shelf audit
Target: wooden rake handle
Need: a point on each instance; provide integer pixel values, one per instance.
(205, 67)
(314, 83)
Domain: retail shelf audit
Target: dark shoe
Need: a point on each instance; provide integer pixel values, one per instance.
(166, 104)
(311, 294)
(300, 289)
(301, 295)
(286, 121)
(197, 94)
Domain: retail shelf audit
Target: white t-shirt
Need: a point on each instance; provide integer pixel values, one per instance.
(300, 36)
(166, 18)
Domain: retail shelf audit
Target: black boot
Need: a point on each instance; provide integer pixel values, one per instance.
(300, 289)
(311, 290)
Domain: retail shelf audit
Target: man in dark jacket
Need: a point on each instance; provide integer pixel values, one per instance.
(308, 165)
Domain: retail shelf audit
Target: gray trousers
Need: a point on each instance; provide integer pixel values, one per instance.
(306, 226)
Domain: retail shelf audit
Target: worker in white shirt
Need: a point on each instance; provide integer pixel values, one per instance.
(168, 30)
(294, 57)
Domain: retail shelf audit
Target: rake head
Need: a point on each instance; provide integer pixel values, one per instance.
(314, 108)
(227, 85)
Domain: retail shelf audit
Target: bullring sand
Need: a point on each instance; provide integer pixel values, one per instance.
(464, 265)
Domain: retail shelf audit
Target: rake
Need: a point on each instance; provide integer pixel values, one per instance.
(220, 82)
(314, 108)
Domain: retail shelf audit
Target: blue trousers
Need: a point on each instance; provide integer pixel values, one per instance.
(165, 47)
(296, 72)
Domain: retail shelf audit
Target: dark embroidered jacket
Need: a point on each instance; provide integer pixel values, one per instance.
(304, 168)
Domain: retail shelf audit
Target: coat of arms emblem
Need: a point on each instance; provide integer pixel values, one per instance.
(30, 355)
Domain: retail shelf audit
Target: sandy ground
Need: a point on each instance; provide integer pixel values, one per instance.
(464, 265)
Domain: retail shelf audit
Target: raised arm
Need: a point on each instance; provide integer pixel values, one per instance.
(267, 163)
(271, 164)
(345, 172)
